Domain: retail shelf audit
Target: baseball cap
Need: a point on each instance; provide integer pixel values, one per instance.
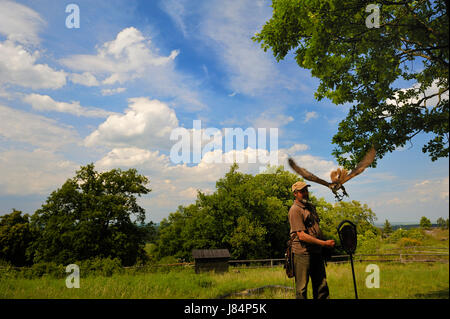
(299, 186)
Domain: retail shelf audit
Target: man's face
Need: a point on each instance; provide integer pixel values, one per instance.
(302, 194)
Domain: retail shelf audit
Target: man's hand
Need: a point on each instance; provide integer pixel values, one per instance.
(313, 240)
(328, 243)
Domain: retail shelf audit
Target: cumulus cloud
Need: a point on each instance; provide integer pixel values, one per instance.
(126, 57)
(20, 26)
(146, 124)
(46, 103)
(19, 67)
(131, 56)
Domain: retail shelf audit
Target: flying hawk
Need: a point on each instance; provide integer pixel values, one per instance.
(339, 176)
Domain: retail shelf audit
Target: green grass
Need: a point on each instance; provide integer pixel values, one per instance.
(397, 281)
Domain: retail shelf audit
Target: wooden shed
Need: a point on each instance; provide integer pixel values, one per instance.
(211, 260)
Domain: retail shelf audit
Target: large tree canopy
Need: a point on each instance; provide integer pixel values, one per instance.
(361, 64)
(91, 216)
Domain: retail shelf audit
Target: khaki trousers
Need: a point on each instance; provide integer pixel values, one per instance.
(310, 265)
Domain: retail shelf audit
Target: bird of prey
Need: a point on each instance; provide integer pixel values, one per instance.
(339, 176)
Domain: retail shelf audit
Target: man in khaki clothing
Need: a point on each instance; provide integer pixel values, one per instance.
(308, 261)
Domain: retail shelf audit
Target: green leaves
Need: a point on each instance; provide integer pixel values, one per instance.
(360, 65)
(246, 214)
(91, 215)
(249, 216)
(15, 238)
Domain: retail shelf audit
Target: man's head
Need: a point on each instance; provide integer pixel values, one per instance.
(300, 191)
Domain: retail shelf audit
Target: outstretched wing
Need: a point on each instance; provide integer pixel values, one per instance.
(307, 175)
(365, 162)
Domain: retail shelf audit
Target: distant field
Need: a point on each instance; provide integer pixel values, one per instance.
(397, 281)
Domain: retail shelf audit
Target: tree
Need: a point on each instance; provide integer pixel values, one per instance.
(387, 228)
(332, 214)
(15, 238)
(246, 214)
(442, 223)
(362, 65)
(91, 216)
(425, 223)
(249, 216)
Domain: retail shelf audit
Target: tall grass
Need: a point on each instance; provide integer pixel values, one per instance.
(405, 281)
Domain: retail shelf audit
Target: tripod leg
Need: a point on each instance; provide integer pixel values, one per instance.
(354, 280)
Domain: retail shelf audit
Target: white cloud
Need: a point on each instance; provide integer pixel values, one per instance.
(129, 157)
(86, 79)
(431, 102)
(309, 116)
(46, 103)
(20, 126)
(132, 56)
(19, 67)
(429, 191)
(35, 172)
(296, 148)
(20, 23)
(126, 57)
(146, 124)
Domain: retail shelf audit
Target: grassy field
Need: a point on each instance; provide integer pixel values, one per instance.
(397, 281)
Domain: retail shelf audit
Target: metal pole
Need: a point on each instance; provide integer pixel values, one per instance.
(354, 280)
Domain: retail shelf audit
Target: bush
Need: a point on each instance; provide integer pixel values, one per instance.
(397, 235)
(415, 233)
(407, 242)
(45, 269)
(100, 267)
(368, 243)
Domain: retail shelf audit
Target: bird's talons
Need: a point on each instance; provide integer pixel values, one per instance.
(340, 197)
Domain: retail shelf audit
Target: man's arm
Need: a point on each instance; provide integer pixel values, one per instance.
(313, 240)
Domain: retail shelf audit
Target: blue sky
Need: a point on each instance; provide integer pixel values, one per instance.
(112, 91)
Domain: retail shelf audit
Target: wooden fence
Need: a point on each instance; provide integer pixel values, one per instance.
(394, 257)
(399, 257)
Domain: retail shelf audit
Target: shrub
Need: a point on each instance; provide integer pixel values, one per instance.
(406, 242)
(100, 267)
(397, 235)
(368, 243)
(415, 233)
(45, 269)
